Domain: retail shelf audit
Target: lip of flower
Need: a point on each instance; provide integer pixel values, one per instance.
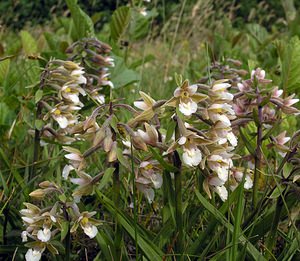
(33, 255)
(191, 156)
(44, 235)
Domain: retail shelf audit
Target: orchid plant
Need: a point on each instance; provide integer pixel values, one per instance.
(198, 129)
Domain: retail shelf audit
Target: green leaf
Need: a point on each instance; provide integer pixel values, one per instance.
(291, 66)
(4, 68)
(106, 177)
(39, 124)
(65, 229)
(38, 96)
(119, 22)
(83, 24)
(29, 43)
(251, 250)
(145, 243)
(121, 75)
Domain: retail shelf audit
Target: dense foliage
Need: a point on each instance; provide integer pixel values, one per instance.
(154, 130)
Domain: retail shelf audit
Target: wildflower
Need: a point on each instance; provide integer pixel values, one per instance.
(148, 179)
(186, 98)
(86, 222)
(75, 157)
(33, 254)
(146, 105)
(219, 91)
(150, 136)
(44, 235)
(218, 186)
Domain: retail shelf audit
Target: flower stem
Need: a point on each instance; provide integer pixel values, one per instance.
(271, 240)
(36, 145)
(178, 204)
(258, 154)
(116, 200)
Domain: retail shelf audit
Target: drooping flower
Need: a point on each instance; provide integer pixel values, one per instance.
(33, 254)
(186, 98)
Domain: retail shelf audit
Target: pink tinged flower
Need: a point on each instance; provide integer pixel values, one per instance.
(44, 235)
(289, 101)
(33, 255)
(148, 192)
(186, 98)
(66, 171)
(258, 73)
(276, 93)
(281, 139)
(78, 76)
(191, 156)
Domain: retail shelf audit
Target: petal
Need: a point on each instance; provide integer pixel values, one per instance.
(90, 230)
(248, 182)
(141, 105)
(156, 180)
(62, 121)
(192, 89)
(66, 171)
(222, 192)
(44, 235)
(33, 255)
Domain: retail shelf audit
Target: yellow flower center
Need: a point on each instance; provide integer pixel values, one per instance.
(68, 89)
(84, 221)
(148, 167)
(185, 94)
(57, 112)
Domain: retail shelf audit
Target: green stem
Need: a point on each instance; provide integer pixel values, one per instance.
(68, 236)
(135, 213)
(178, 204)
(36, 146)
(271, 240)
(116, 200)
(258, 154)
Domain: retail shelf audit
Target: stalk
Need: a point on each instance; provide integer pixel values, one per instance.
(271, 240)
(178, 204)
(258, 154)
(68, 236)
(116, 200)
(36, 148)
(134, 205)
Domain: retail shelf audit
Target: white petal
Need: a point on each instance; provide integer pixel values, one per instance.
(24, 236)
(156, 180)
(28, 220)
(222, 192)
(182, 140)
(62, 121)
(66, 171)
(192, 156)
(188, 108)
(248, 182)
(33, 255)
(215, 181)
(73, 156)
(232, 139)
(141, 105)
(90, 230)
(223, 173)
(149, 194)
(220, 86)
(192, 89)
(44, 235)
